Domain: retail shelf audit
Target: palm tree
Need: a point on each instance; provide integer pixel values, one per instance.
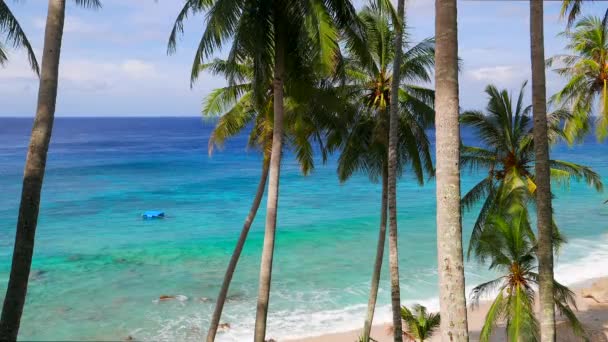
(508, 244)
(235, 106)
(15, 36)
(34, 170)
(393, 250)
(542, 172)
(573, 8)
(507, 154)
(277, 37)
(420, 324)
(587, 72)
(363, 136)
(452, 298)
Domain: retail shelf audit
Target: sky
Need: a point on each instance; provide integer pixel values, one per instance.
(114, 60)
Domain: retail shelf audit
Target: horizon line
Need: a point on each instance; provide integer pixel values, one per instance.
(108, 116)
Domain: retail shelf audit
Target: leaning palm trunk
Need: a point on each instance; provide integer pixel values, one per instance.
(33, 174)
(393, 136)
(273, 188)
(221, 298)
(449, 228)
(542, 169)
(373, 294)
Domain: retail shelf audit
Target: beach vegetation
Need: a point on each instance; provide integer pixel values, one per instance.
(278, 38)
(509, 246)
(420, 324)
(506, 156)
(585, 68)
(361, 133)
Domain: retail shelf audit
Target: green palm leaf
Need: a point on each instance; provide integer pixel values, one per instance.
(585, 69)
(420, 324)
(578, 172)
(15, 36)
(494, 315)
(506, 153)
(221, 99)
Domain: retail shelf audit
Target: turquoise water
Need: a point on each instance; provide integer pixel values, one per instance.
(99, 268)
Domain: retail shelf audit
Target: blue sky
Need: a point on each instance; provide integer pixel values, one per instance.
(114, 61)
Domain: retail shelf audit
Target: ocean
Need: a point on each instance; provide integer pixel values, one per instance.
(99, 268)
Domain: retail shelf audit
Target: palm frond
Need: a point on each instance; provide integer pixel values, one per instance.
(522, 323)
(238, 72)
(92, 4)
(578, 172)
(15, 36)
(485, 289)
(221, 99)
(495, 313)
(572, 8)
(190, 7)
(478, 192)
(232, 122)
(324, 34)
(477, 158)
(478, 227)
(222, 21)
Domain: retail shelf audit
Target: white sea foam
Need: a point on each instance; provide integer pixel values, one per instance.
(589, 261)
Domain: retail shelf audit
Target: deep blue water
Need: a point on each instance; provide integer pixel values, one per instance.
(99, 268)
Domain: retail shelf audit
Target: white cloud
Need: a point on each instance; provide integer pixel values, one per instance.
(86, 74)
(498, 74)
(73, 25)
(138, 69)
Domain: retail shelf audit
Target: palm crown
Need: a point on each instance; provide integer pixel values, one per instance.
(420, 324)
(506, 241)
(507, 154)
(237, 110)
(587, 73)
(250, 28)
(364, 144)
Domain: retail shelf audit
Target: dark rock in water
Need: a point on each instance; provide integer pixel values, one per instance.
(120, 260)
(129, 338)
(119, 301)
(164, 298)
(223, 327)
(75, 257)
(63, 310)
(235, 297)
(37, 274)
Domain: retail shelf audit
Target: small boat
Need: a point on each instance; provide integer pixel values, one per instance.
(153, 214)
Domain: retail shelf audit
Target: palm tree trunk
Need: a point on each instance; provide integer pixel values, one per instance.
(605, 100)
(543, 182)
(221, 298)
(373, 294)
(33, 174)
(393, 136)
(449, 227)
(273, 188)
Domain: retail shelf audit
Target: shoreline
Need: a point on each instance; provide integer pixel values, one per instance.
(592, 312)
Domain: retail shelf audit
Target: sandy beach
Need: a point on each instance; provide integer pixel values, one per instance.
(592, 301)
